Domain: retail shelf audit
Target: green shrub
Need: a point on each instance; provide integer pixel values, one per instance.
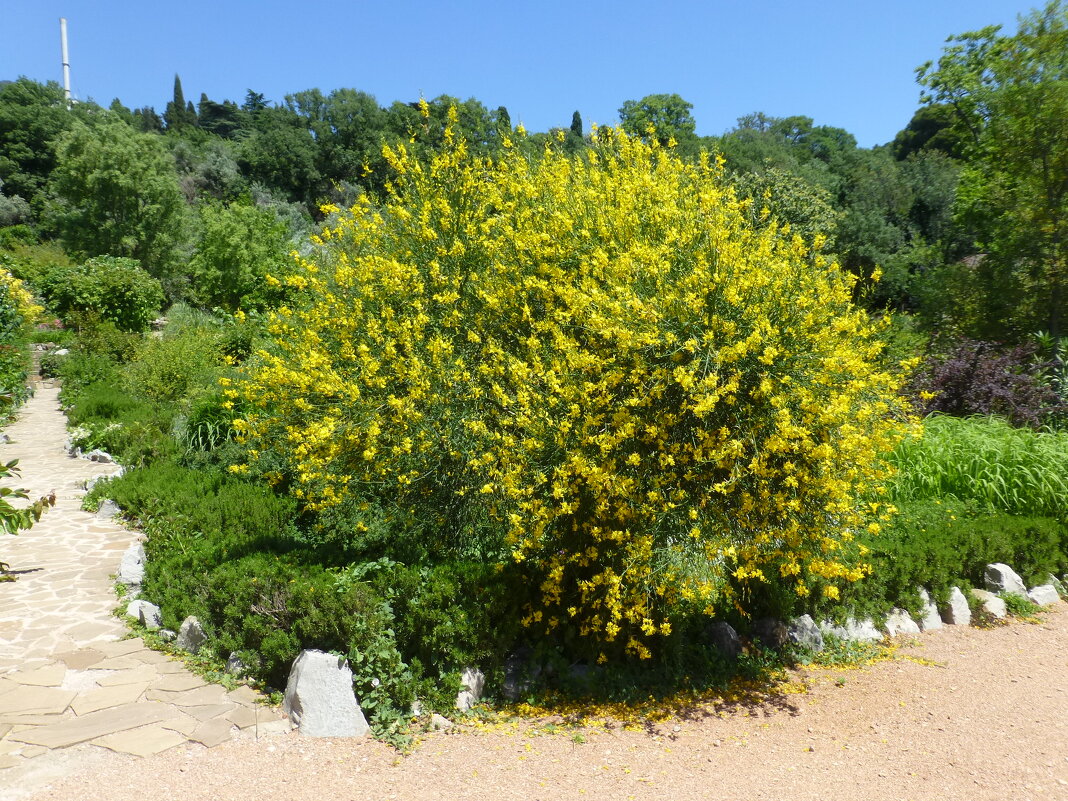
(14, 235)
(117, 289)
(940, 544)
(183, 364)
(14, 364)
(79, 370)
(31, 262)
(452, 615)
(97, 335)
(131, 429)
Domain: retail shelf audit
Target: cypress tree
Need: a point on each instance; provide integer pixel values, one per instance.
(576, 124)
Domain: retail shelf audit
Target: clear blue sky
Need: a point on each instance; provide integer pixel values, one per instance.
(848, 63)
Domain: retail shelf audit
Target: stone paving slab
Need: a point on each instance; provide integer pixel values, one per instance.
(66, 675)
(107, 697)
(36, 700)
(144, 741)
(72, 731)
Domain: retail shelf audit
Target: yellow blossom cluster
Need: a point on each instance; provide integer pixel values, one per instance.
(15, 294)
(654, 405)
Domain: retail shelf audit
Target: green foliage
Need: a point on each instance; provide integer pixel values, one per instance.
(17, 518)
(453, 614)
(32, 116)
(784, 198)
(239, 246)
(106, 416)
(14, 370)
(661, 118)
(183, 364)
(280, 153)
(985, 460)
(116, 289)
(17, 236)
(116, 192)
(1011, 102)
(941, 544)
(32, 262)
(930, 129)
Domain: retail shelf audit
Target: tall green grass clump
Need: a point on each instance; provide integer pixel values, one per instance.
(985, 460)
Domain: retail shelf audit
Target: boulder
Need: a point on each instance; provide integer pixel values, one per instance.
(929, 618)
(147, 613)
(1044, 595)
(97, 455)
(899, 622)
(472, 683)
(1002, 578)
(60, 352)
(956, 611)
(132, 566)
(319, 698)
(235, 667)
(191, 636)
(725, 639)
(168, 635)
(771, 633)
(1058, 585)
(855, 630)
(804, 632)
(991, 603)
(107, 510)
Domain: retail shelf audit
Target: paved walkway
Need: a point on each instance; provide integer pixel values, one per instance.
(66, 676)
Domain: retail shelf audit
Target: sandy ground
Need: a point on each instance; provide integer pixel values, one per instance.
(982, 714)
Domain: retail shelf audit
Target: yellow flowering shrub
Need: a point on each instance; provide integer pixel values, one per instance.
(650, 405)
(17, 300)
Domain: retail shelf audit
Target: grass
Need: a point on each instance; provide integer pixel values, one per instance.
(986, 460)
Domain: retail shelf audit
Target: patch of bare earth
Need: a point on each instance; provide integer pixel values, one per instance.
(987, 720)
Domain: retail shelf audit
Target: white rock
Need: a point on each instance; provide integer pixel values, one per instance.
(956, 611)
(235, 666)
(148, 613)
(191, 636)
(991, 603)
(804, 632)
(857, 630)
(929, 619)
(97, 455)
(1058, 585)
(319, 697)
(132, 566)
(1002, 578)
(167, 635)
(108, 509)
(472, 683)
(899, 622)
(60, 352)
(1044, 595)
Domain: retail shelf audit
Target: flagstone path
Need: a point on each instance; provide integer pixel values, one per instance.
(67, 679)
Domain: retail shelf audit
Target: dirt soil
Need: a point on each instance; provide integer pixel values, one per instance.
(981, 714)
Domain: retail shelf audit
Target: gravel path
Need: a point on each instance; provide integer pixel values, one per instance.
(982, 715)
(965, 714)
